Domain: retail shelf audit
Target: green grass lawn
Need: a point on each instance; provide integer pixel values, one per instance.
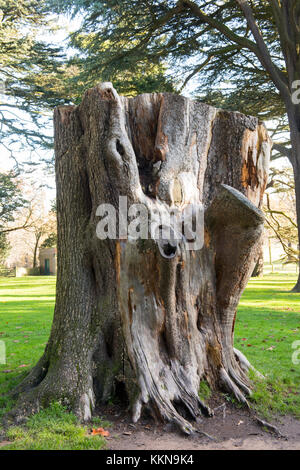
(268, 322)
(26, 310)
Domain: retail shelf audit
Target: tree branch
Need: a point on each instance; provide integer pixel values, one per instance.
(262, 51)
(281, 148)
(196, 70)
(240, 40)
(25, 225)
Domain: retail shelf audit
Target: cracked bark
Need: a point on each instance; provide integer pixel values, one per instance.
(129, 321)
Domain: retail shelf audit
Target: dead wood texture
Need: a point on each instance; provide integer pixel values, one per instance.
(129, 321)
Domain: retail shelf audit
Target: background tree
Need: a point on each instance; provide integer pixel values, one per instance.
(89, 52)
(26, 223)
(252, 46)
(31, 75)
(36, 76)
(280, 210)
(42, 228)
(11, 201)
(4, 249)
(50, 241)
(10, 197)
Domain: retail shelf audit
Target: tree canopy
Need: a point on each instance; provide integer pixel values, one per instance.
(36, 76)
(242, 55)
(209, 42)
(10, 201)
(30, 73)
(10, 198)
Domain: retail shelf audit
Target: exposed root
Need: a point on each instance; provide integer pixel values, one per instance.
(230, 386)
(269, 426)
(190, 399)
(40, 388)
(239, 382)
(245, 364)
(164, 408)
(206, 435)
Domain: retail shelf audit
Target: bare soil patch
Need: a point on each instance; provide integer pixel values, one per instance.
(229, 428)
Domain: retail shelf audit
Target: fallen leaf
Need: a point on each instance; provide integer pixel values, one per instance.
(240, 422)
(127, 433)
(100, 432)
(24, 365)
(270, 348)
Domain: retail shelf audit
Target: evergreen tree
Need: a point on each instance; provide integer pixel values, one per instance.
(10, 198)
(4, 249)
(10, 201)
(36, 76)
(31, 75)
(246, 55)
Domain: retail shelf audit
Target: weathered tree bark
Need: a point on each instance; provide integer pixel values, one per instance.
(294, 121)
(145, 319)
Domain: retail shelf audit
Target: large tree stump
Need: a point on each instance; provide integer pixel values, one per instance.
(136, 318)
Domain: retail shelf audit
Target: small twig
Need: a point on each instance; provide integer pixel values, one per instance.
(223, 407)
(205, 435)
(219, 407)
(269, 426)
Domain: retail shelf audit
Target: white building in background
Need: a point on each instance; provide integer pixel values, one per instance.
(48, 260)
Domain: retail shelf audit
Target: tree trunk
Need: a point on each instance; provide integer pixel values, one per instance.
(294, 122)
(147, 320)
(259, 265)
(35, 250)
(296, 288)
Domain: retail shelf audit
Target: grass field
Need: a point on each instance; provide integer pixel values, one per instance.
(26, 310)
(268, 322)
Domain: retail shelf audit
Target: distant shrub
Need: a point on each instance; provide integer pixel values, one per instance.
(34, 271)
